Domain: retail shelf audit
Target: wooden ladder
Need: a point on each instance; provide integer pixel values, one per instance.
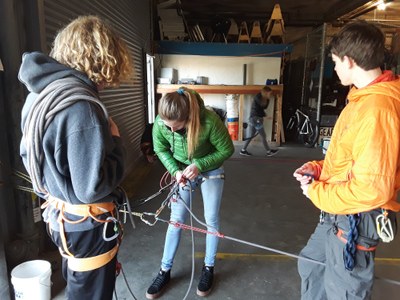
(274, 29)
(256, 34)
(243, 33)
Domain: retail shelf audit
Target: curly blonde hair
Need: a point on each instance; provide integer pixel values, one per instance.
(88, 44)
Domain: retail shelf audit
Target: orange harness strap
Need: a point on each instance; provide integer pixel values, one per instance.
(85, 211)
(90, 263)
(340, 234)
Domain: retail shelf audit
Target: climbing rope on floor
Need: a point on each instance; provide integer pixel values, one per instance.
(221, 235)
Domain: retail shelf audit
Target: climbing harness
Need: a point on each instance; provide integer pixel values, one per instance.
(384, 227)
(86, 211)
(342, 236)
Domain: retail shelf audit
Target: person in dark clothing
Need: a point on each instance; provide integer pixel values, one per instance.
(73, 151)
(256, 121)
(146, 144)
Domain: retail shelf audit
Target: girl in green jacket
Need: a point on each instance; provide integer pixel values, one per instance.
(192, 143)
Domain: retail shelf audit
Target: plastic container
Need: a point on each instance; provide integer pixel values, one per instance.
(233, 129)
(232, 120)
(232, 106)
(32, 280)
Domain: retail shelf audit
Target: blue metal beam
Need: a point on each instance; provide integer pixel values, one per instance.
(222, 49)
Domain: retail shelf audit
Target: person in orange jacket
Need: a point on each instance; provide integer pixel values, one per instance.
(356, 185)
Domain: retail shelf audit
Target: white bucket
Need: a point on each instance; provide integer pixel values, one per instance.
(232, 107)
(31, 280)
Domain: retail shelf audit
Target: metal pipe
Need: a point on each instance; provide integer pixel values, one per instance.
(5, 197)
(321, 72)
(303, 88)
(244, 74)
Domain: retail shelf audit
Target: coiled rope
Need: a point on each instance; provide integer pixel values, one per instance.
(57, 96)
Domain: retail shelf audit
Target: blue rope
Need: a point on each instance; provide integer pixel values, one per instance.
(351, 246)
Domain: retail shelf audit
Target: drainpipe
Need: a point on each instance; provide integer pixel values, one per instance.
(5, 195)
(21, 233)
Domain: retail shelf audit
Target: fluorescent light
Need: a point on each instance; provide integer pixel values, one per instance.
(381, 5)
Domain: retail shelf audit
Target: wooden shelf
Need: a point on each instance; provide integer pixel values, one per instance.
(218, 89)
(277, 130)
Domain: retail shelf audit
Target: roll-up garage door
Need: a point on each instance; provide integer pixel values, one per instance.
(131, 18)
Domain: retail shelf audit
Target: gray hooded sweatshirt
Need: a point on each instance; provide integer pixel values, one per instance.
(83, 163)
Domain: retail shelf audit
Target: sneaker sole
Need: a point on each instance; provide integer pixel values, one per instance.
(156, 295)
(203, 294)
(243, 154)
(153, 296)
(272, 154)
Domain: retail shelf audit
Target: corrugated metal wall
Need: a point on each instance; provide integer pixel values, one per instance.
(132, 19)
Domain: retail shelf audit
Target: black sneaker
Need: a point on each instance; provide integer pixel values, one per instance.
(159, 283)
(272, 152)
(206, 281)
(244, 153)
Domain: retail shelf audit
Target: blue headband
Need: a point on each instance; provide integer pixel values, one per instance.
(180, 91)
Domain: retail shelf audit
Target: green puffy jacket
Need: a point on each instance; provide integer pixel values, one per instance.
(213, 148)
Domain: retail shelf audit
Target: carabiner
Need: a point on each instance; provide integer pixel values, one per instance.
(384, 228)
(147, 221)
(116, 229)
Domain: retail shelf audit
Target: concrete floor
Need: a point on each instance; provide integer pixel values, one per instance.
(263, 204)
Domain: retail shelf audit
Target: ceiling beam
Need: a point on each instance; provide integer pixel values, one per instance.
(349, 8)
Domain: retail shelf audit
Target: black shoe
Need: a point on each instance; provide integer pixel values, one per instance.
(159, 283)
(244, 153)
(272, 152)
(206, 281)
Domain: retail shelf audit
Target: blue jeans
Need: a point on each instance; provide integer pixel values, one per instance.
(211, 190)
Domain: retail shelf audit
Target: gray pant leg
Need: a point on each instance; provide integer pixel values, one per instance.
(261, 131)
(252, 134)
(312, 275)
(356, 284)
(341, 284)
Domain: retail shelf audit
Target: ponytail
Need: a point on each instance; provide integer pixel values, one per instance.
(193, 123)
(183, 105)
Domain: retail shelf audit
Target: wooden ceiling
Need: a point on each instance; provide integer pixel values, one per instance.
(295, 13)
(298, 15)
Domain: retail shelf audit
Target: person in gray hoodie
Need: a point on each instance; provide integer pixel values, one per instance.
(73, 151)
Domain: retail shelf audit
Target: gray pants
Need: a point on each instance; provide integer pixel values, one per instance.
(333, 281)
(256, 125)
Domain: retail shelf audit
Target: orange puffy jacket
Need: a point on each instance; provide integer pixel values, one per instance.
(361, 170)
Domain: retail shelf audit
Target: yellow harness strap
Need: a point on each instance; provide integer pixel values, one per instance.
(84, 211)
(90, 263)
